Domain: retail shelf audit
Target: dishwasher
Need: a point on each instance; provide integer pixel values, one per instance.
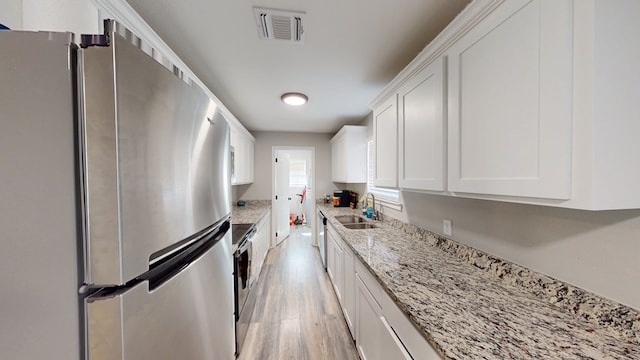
(322, 237)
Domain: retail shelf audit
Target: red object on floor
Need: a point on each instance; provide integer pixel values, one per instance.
(291, 219)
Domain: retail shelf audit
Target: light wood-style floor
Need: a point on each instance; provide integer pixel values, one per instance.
(297, 315)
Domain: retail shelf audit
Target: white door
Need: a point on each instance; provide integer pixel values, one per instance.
(281, 196)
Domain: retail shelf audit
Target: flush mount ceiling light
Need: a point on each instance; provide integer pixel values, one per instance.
(294, 98)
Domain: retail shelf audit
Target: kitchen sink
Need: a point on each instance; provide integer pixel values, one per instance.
(350, 219)
(360, 226)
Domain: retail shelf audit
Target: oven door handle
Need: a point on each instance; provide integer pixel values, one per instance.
(246, 241)
(244, 246)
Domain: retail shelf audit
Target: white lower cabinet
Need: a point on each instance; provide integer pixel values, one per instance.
(390, 345)
(381, 330)
(330, 257)
(349, 288)
(338, 274)
(375, 338)
(334, 261)
(260, 245)
(368, 325)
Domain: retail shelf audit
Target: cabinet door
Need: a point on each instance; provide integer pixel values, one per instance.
(244, 158)
(509, 102)
(334, 161)
(385, 128)
(368, 325)
(249, 161)
(349, 287)
(330, 256)
(261, 245)
(422, 130)
(338, 159)
(390, 345)
(338, 274)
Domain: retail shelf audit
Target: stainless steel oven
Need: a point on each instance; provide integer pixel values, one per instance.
(244, 302)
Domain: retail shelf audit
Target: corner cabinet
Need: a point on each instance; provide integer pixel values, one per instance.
(243, 157)
(349, 155)
(422, 155)
(510, 100)
(385, 133)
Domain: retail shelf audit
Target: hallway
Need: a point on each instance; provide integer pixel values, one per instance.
(297, 315)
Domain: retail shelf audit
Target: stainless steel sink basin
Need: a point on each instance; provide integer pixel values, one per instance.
(350, 219)
(360, 226)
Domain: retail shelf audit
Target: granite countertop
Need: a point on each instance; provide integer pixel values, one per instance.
(467, 312)
(251, 213)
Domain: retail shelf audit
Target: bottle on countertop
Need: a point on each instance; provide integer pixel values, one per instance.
(369, 211)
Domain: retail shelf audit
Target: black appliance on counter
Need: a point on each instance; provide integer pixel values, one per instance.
(343, 198)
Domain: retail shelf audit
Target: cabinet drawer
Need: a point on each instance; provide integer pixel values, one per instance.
(370, 282)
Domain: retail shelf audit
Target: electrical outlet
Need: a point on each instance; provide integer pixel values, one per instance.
(447, 227)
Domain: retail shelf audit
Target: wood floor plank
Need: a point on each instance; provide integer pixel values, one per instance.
(297, 315)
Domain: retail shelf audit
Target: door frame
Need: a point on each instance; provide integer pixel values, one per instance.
(311, 219)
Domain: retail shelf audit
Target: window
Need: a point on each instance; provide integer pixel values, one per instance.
(297, 173)
(388, 197)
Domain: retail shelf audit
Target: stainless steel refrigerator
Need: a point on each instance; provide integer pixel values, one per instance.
(114, 204)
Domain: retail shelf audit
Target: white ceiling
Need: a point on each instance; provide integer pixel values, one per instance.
(351, 50)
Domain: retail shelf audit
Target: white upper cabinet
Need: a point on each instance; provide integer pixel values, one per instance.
(385, 133)
(422, 129)
(349, 155)
(510, 99)
(541, 106)
(243, 161)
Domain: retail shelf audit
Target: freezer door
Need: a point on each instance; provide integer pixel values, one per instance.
(189, 317)
(157, 161)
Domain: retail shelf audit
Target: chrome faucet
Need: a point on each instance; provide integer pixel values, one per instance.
(376, 214)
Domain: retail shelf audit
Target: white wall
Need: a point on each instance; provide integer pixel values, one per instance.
(77, 16)
(261, 187)
(11, 13)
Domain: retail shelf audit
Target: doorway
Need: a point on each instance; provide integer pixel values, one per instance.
(293, 180)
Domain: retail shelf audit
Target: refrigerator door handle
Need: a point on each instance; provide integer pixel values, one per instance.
(162, 272)
(143, 323)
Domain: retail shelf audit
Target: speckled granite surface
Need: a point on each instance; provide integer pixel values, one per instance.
(470, 305)
(251, 213)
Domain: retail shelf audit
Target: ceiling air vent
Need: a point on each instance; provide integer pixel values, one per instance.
(280, 25)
